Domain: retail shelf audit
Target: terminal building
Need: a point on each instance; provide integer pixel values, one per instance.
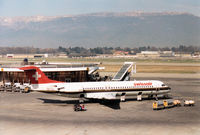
(66, 72)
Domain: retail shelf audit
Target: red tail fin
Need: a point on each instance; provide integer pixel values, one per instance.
(36, 76)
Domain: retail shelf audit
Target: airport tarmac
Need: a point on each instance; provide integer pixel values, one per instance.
(44, 114)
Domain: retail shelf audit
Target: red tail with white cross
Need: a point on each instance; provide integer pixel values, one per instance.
(36, 76)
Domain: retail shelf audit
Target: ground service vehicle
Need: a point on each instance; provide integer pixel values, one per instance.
(168, 103)
(189, 102)
(157, 105)
(177, 103)
(79, 107)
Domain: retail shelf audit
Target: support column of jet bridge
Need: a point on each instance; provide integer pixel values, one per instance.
(125, 72)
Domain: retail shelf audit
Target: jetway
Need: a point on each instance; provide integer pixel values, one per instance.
(91, 70)
(126, 70)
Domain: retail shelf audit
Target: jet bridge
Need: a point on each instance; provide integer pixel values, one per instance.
(125, 71)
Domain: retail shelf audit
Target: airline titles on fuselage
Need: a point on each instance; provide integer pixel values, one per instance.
(135, 85)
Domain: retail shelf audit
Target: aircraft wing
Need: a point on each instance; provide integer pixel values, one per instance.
(101, 95)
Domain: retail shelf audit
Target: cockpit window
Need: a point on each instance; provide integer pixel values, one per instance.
(163, 85)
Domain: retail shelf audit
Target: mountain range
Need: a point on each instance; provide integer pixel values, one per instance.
(130, 29)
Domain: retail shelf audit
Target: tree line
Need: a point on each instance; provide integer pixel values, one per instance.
(81, 51)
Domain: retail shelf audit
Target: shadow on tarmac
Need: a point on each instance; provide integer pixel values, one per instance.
(113, 104)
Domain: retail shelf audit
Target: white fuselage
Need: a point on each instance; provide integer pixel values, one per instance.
(100, 90)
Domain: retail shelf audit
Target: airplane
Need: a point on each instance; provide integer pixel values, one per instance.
(110, 90)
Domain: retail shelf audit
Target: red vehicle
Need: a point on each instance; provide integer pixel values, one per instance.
(79, 107)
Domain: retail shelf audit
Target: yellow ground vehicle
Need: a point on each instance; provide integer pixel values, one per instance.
(158, 105)
(168, 103)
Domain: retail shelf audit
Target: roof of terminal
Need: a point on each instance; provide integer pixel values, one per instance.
(46, 69)
(53, 67)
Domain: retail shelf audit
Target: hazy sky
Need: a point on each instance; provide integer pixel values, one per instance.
(71, 7)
